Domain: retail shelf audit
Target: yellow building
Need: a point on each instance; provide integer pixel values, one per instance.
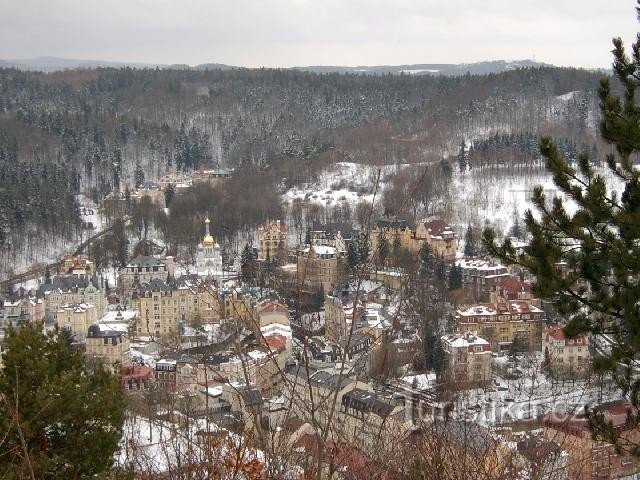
(394, 231)
(108, 345)
(162, 306)
(76, 318)
(502, 323)
(272, 239)
(439, 236)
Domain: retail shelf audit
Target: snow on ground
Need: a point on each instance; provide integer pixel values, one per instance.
(475, 196)
(344, 182)
(531, 395)
(567, 96)
(90, 213)
(478, 196)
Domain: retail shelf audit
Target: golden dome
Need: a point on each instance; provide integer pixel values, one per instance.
(208, 240)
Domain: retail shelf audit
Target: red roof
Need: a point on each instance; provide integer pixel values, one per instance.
(273, 307)
(128, 372)
(436, 226)
(276, 343)
(513, 285)
(556, 332)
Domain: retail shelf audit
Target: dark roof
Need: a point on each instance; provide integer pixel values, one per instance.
(217, 358)
(69, 282)
(95, 332)
(145, 261)
(331, 229)
(179, 357)
(366, 401)
(251, 396)
(156, 285)
(396, 223)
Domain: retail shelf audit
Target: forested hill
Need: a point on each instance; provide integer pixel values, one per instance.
(82, 130)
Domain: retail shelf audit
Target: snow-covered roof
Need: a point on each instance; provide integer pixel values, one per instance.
(119, 316)
(462, 340)
(491, 309)
(114, 327)
(421, 381)
(212, 391)
(321, 250)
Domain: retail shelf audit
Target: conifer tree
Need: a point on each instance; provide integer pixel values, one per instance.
(588, 262)
(470, 249)
(247, 265)
(57, 419)
(139, 175)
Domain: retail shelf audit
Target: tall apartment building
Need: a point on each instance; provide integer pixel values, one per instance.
(158, 310)
(73, 289)
(393, 230)
(480, 276)
(76, 318)
(162, 306)
(144, 269)
(317, 268)
(468, 358)
(501, 323)
(107, 345)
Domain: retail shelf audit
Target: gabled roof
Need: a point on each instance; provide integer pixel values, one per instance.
(513, 285)
(272, 307)
(274, 225)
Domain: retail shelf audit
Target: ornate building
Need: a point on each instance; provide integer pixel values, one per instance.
(209, 258)
(273, 240)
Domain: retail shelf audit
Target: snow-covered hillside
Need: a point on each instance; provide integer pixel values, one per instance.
(476, 196)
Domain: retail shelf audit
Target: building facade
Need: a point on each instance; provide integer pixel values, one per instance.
(108, 346)
(468, 358)
(143, 269)
(435, 232)
(317, 268)
(502, 323)
(76, 318)
(273, 240)
(564, 356)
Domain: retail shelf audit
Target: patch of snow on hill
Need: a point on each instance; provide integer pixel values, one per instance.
(567, 96)
(343, 182)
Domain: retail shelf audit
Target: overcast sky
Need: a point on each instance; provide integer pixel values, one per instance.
(282, 33)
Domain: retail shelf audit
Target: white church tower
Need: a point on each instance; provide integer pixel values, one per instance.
(209, 259)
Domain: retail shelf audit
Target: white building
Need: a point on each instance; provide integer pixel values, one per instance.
(209, 257)
(564, 355)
